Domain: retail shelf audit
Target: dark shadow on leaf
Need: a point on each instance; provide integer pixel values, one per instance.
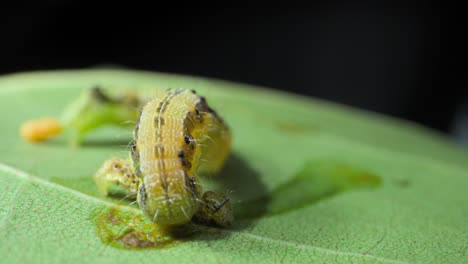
(317, 180)
(245, 185)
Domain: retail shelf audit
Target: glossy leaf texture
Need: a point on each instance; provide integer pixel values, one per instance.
(311, 182)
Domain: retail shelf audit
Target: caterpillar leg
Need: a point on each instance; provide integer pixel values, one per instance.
(216, 209)
(116, 178)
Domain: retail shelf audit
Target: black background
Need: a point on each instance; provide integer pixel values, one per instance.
(397, 60)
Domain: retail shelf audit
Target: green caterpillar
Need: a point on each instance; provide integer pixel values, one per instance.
(173, 132)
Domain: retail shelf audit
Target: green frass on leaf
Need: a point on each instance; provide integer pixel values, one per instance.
(310, 182)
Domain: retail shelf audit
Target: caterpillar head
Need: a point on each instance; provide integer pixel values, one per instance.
(167, 200)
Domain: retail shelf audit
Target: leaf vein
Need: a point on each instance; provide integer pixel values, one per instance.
(322, 249)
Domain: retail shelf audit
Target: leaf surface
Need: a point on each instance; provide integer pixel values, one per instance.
(311, 181)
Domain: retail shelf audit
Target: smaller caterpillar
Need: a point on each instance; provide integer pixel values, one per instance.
(173, 132)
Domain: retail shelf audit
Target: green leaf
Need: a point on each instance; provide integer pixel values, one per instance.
(311, 182)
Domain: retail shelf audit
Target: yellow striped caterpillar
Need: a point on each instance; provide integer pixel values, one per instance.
(173, 132)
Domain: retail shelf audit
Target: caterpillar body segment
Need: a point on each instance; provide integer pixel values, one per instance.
(174, 132)
(116, 178)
